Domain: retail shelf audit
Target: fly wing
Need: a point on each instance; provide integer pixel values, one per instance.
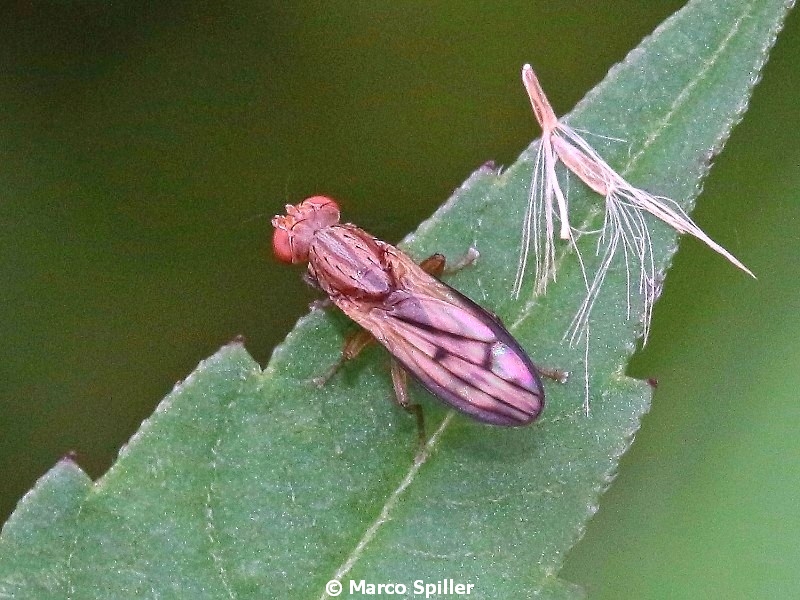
(457, 350)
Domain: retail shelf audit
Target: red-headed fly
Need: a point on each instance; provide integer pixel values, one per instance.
(461, 353)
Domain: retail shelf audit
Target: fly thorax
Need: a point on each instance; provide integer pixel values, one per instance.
(346, 260)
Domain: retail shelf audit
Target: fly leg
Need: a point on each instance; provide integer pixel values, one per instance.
(400, 383)
(353, 345)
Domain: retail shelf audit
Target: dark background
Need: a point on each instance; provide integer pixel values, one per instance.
(143, 149)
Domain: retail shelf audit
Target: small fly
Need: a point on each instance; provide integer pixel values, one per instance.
(457, 350)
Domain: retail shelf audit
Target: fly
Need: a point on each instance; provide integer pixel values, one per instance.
(457, 350)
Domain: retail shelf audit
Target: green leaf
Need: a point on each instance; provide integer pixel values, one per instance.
(251, 484)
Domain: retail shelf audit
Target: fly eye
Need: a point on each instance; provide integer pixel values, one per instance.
(322, 203)
(322, 211)
(295, 231)
(282, 245)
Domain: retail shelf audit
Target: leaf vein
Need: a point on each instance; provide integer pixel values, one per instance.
(211, 526)
(391, 503)
(684, 94)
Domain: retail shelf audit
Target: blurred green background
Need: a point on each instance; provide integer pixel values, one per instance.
(143, 148)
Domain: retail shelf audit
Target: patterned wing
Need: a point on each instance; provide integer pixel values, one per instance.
(457, 350)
